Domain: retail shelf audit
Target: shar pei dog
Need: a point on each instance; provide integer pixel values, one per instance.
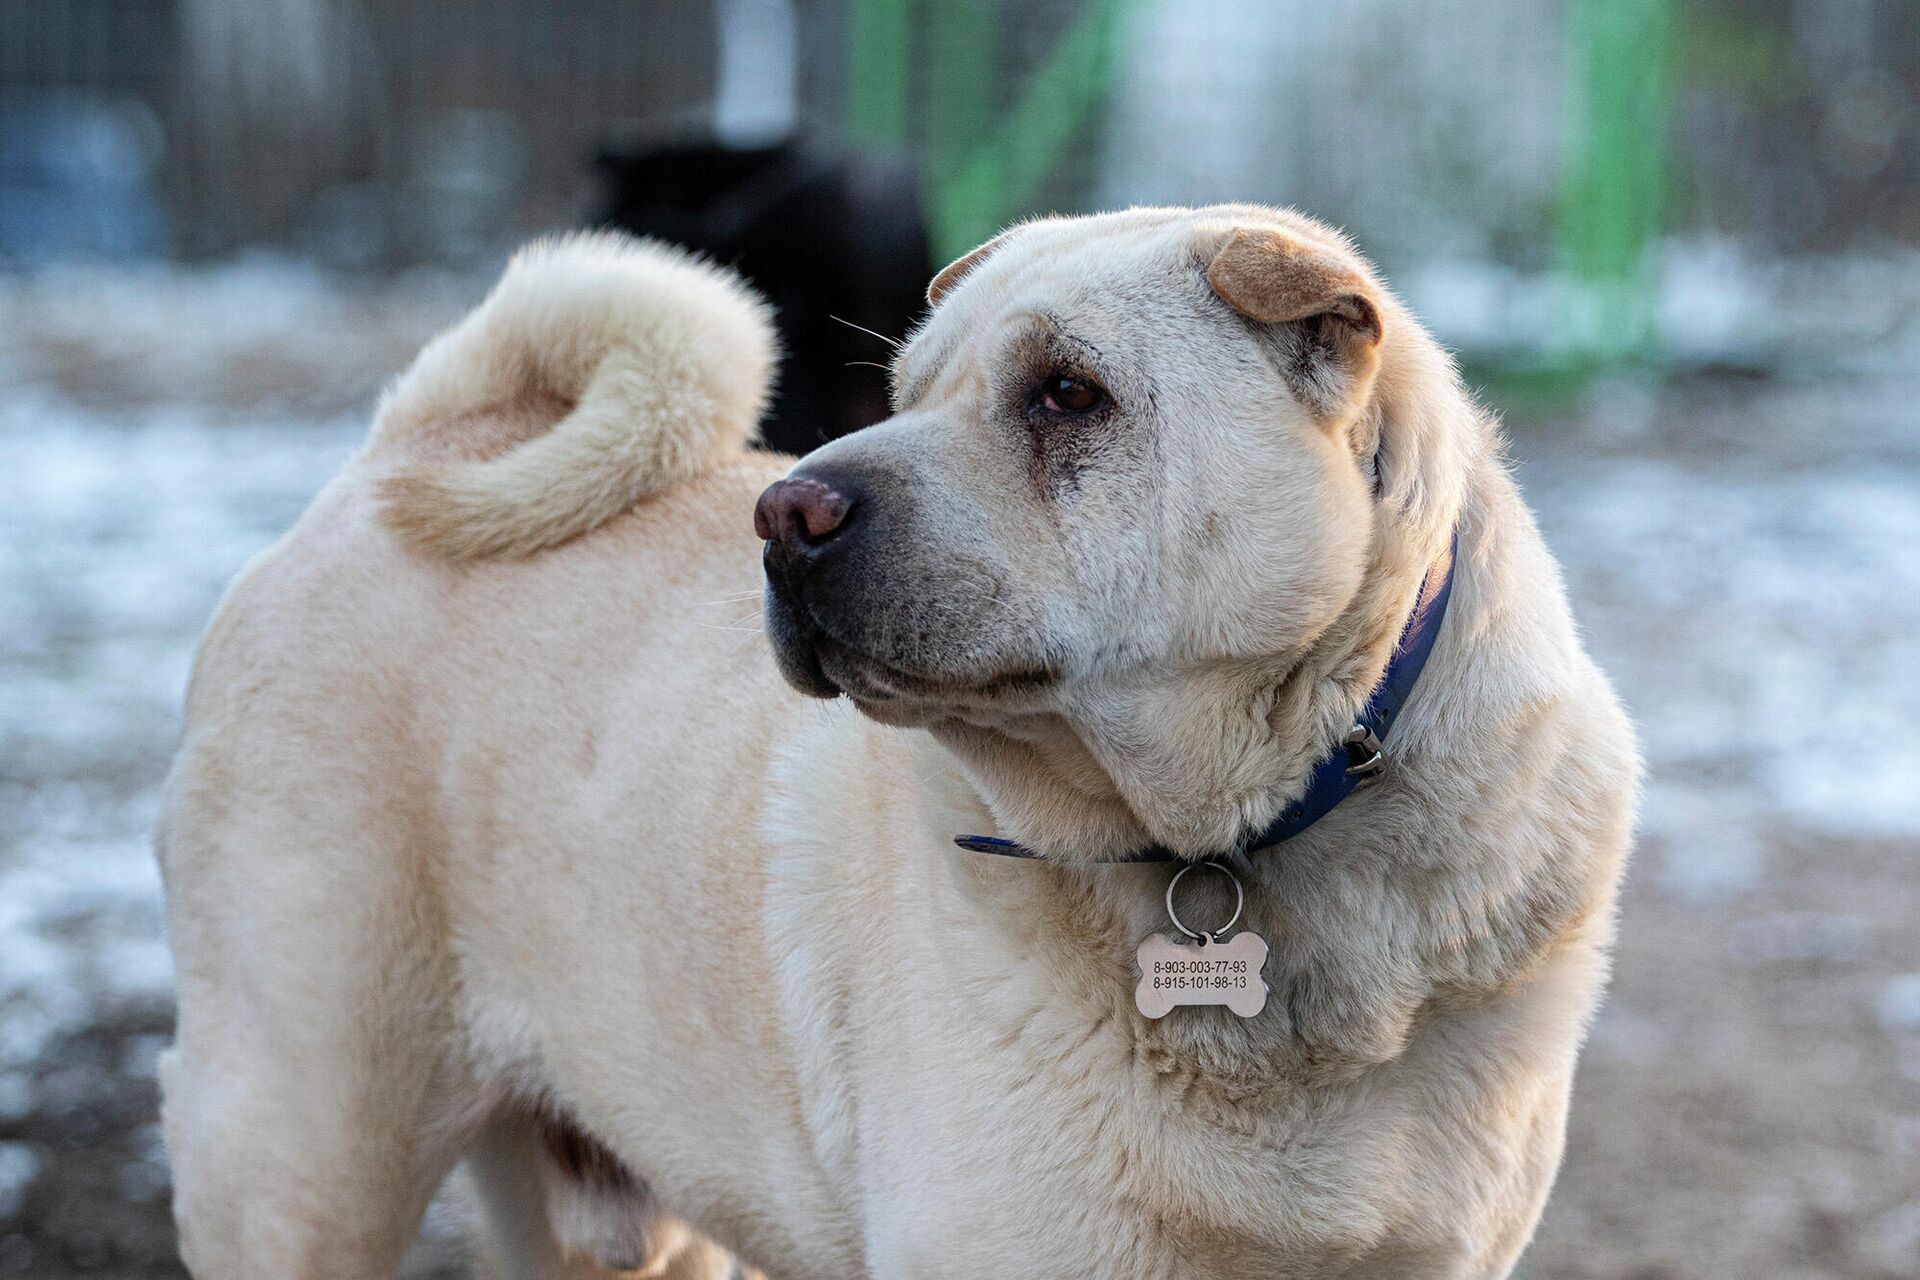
(742, 863)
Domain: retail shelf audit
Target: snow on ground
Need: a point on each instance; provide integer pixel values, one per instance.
(157, 429)
(1742, 554)
(1744, 558)
(118, 536)
(1760, 620)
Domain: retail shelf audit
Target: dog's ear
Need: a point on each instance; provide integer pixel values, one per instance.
(951, 274)
(1323, 309)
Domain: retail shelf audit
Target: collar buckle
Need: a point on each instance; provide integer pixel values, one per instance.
(1367, 759)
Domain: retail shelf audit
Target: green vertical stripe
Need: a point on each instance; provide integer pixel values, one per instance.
(962, 94)
(878, 45)
(1614, 178)
(999, 174)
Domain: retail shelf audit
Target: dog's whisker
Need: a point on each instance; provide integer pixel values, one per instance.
(895, 343)
(738, 624)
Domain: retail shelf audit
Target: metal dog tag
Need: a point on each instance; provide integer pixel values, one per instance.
(1175, 972)
(1202, 968)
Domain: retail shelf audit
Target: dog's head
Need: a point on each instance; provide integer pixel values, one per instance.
(1128, 452)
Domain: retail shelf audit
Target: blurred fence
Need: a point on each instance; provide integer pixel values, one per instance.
(1480, 142)
(365, 133)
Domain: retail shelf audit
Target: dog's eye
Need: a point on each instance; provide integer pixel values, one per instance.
(1071, 397)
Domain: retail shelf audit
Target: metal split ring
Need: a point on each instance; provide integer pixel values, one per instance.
(1239, 902)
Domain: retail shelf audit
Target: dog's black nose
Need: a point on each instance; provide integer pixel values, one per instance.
(802, 513)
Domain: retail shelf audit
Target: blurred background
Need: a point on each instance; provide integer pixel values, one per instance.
(1676, 242)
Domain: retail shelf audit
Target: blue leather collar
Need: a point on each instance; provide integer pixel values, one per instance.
(1360, 756)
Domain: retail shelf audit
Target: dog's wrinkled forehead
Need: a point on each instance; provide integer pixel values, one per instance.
(1144, 272)
(1081, 277)
(1205, 286)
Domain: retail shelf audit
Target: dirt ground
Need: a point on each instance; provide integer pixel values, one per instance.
(1740, 1109)
(1741, 550)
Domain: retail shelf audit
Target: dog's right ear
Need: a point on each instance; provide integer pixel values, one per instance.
(951, 275)
(1324, 307)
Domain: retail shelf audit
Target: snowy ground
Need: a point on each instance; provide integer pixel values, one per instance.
(1745, 559)
(156, 430)
(1744, 554)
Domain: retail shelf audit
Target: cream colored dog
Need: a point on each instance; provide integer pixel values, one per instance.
(496, 832)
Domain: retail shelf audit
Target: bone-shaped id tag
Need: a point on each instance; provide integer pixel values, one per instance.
(1202, 968)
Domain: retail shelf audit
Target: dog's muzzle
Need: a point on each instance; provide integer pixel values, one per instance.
(812, 523)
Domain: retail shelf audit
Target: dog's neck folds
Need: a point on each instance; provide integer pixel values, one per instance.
(1341, 769)
(1194, 762)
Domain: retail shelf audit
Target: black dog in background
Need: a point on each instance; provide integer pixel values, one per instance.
(821, 233)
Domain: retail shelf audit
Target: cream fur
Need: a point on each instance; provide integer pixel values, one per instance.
(447, 836)
(663, 364)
